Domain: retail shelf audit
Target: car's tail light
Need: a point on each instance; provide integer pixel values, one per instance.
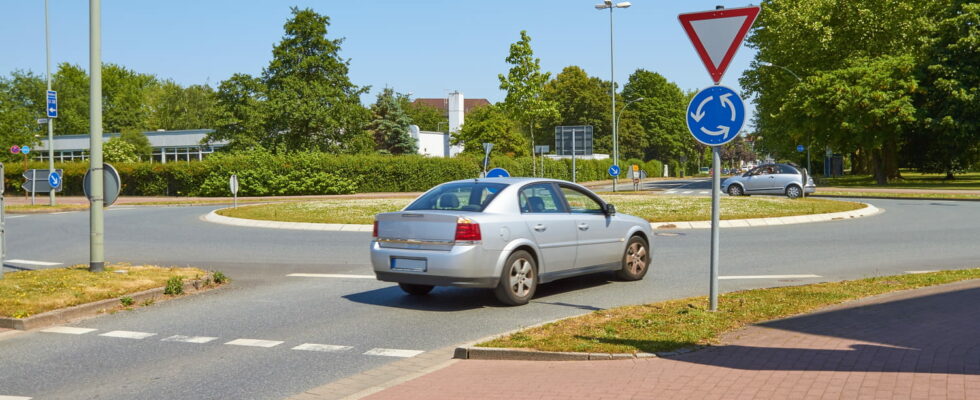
(467, 230)
(374, 233)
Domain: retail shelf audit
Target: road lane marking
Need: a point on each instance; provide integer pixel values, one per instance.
(69, 330)
(704, 192)
(920, 272)
(14, 398)
(688, 192)
(114, 208)
(671, 191)
(333, 276)
(329, 348)
(769, 276)
(393, 352)
(60, 212)
(188, 339)
(254, 343)
(128, 334)
(32, 262)
(16, 216)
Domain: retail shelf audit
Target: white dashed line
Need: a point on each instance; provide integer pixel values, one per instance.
(188, 339)
(114, 208)
(60, 212)
(704, 192)
(31, 262)
(16, 216)
(671, 191)
(393, 352)
(254, 343)
(67, 330)
(920, 272)
(329, 348)
(688, 191)
(333, 276)
(128, 334)
(768, 276)
(14, 398)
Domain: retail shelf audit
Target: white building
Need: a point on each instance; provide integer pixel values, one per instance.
(455, 107)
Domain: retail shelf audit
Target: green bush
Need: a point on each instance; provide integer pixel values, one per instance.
(175, 286)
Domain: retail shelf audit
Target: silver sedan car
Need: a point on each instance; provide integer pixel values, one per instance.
(508, 234)
(769, 179)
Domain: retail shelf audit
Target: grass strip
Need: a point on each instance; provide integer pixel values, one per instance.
(927, 196)
(909, 180)
(654, 208)
(39, 208)
(27, 293)
(675, 324)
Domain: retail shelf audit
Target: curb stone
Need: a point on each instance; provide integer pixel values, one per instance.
(64, 315)
(867, 211)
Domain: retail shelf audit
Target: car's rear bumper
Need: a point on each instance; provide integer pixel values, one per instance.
(464, 266)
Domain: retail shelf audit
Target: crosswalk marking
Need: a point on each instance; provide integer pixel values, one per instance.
(322, 347)
(14, 398)
(69, 330)
(189, 339)
(351, 276)
(393, 352)
(254, 343)
(768, 276)
(32, 262)
(128, 334)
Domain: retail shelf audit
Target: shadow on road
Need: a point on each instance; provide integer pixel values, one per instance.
(937, 333)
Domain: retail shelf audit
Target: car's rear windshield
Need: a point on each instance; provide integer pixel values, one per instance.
(462, 196)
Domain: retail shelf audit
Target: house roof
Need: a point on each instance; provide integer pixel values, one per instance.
(442, 104)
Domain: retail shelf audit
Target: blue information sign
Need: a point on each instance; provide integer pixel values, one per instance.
(498, 173)
(614, 170)
(800, 148)
(52, 104)
(54, 180)
(25, 150)
(715, 115)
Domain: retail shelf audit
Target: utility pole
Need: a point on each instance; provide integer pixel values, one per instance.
(96, 197)
(47, 55)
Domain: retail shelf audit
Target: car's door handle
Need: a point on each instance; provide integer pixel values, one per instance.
(583, 227)
(540, 228)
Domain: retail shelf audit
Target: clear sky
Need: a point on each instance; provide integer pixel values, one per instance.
(423, 47)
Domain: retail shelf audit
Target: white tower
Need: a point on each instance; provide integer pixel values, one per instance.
(457, 110)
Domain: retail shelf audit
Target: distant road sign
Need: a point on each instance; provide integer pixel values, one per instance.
(800, 148)
(111, 184)
(614, 170)
(717, 35)
(498, 173)
(40, 180)
(52, 104)
(233, 184)
(25, 150)
(54, 180)
(715, 115)
(15, 149)
(42, 120)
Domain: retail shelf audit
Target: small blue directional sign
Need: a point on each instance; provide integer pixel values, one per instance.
(25, 150)
(498, 173)
(614, 170)
(800, 148)
(52, 104)
(54, 179)
(715, 115)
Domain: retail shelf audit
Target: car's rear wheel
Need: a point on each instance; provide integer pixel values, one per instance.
(518, 280)
(636, 260)
(793, 191)
(735, 190)
(415, 290)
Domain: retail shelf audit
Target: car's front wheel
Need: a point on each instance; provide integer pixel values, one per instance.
(793, 191)
(518, 280)
(415, 290)
(735, 190)
(636, 260)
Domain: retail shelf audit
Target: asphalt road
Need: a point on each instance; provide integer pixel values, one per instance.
(363, 315)
(685, 186)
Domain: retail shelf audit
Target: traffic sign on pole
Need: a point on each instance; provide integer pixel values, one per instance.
(54, 180)
(800, 148)
(614, 170)
(111, 184)
(25, 150)
(715, 115)
(14, 149)
(717, 35)
(498, 173)
(52, 104)
(42, 180)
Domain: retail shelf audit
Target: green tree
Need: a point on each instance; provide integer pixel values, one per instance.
(141, 144)
(524, 84)
(491, 124)
(116, 150)
(312, 102)
(581, 99)
(241, 113)
(428, 118)
(173, 107)
(390, 124)
(661, 113)
(123, 98)
(21, 103)
(72, 84)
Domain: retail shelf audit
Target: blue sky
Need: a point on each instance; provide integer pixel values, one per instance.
(426, 47)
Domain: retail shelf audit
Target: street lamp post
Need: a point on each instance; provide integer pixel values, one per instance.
(612, 76)
(798, 80)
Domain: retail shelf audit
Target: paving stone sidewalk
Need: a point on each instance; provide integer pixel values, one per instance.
(919, 344)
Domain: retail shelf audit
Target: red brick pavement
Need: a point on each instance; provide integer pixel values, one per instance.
(921, 344)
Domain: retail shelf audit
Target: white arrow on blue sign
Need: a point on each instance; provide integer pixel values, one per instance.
(52, 104)
(25, 150)
(715, 115)
(54, 179)
(614, 170)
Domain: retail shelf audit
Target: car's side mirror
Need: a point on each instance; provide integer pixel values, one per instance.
(610, 209)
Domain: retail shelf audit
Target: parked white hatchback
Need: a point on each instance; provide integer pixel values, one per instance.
(509, 234)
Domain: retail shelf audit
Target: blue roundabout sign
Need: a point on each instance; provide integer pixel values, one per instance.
(716, 115)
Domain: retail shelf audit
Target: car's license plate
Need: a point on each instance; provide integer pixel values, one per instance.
(408, 264)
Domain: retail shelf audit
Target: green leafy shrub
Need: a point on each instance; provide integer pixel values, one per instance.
(175, 286)
(219, 277)
(126, 301)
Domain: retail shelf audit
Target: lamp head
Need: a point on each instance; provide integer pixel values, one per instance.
(624, 4)
(765, 63)
(601, 6)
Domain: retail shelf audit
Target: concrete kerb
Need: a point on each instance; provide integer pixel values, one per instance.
(868, 210)
(64, 315)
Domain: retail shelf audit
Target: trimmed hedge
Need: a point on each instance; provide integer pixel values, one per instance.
(264, 174)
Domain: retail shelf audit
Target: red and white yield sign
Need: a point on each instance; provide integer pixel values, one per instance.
(717, 34)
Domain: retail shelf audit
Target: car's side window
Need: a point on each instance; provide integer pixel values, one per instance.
(539, 198)
(579, 202)
(783, 169)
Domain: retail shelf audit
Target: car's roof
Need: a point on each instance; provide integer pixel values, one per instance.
(509, 180)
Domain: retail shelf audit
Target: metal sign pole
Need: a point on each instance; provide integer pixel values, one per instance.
(715, 217)
(47, 55)
(573, 155)
(97, 199)
(3, 249)
(33, 185)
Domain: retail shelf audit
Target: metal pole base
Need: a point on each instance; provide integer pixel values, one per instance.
(96, 266)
